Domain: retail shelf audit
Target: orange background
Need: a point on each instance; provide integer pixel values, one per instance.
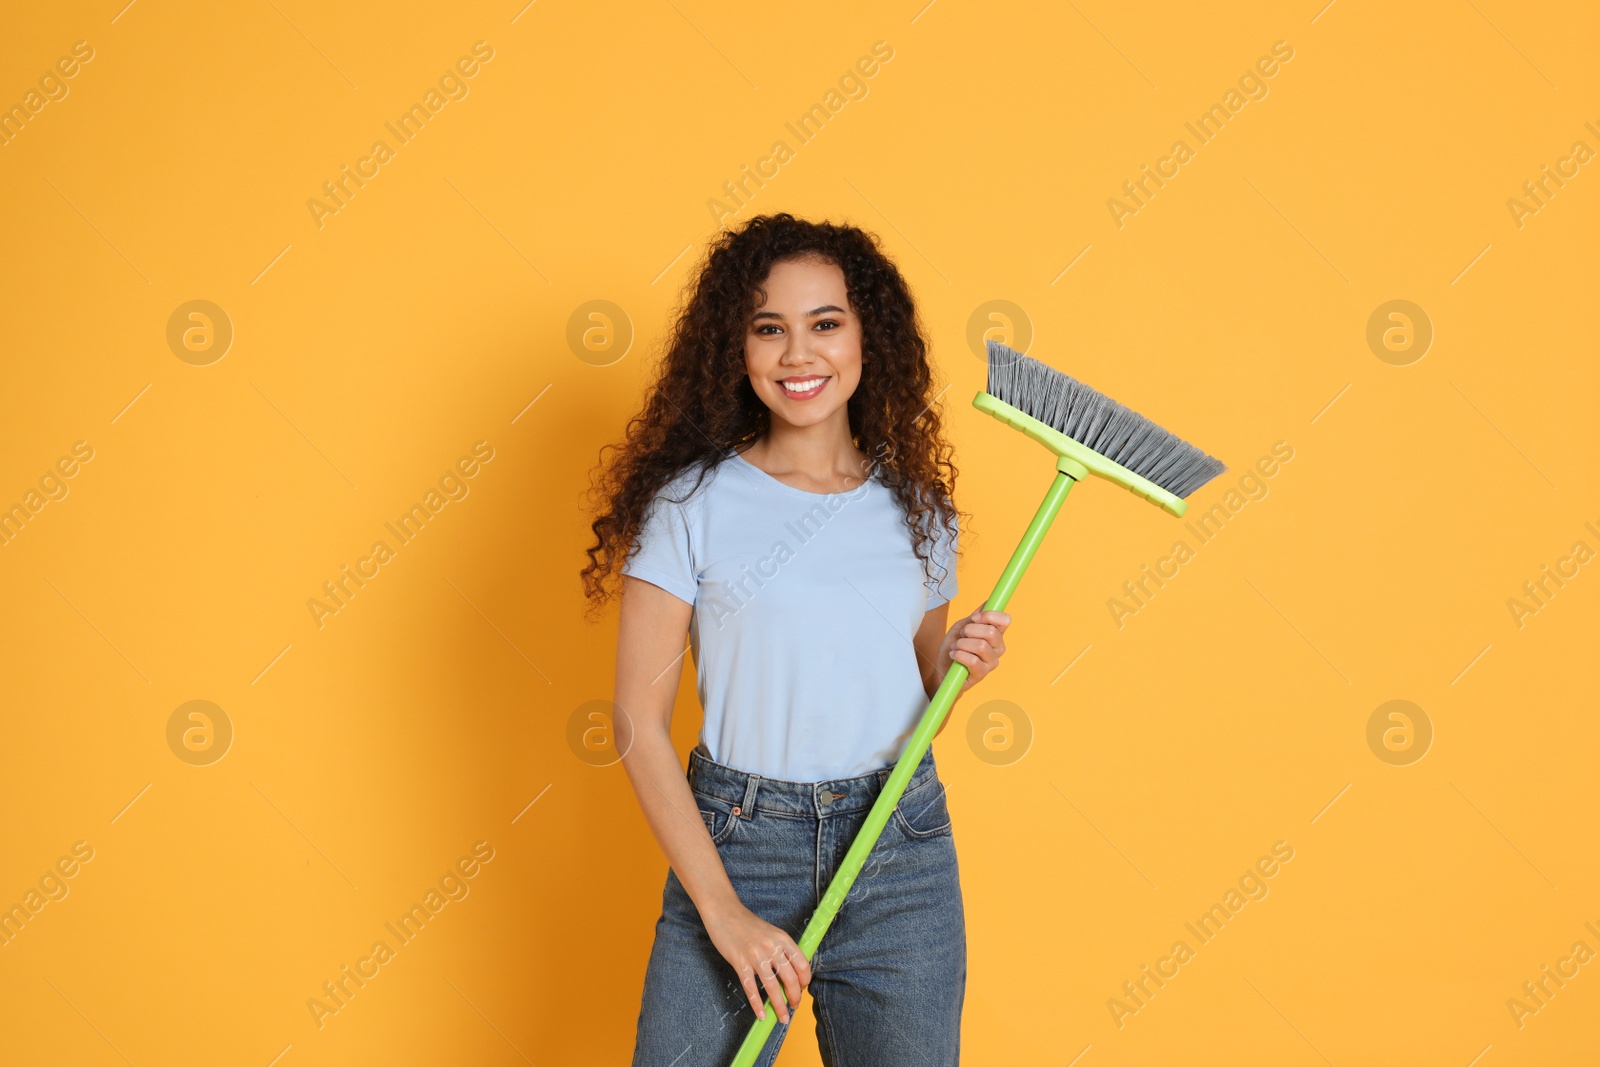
(374, 347)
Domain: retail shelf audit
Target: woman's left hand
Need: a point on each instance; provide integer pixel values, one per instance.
(977, 641)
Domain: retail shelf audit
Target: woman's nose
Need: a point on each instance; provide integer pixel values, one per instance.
(797, 351)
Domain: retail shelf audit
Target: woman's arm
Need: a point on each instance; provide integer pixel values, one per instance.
(976, 641)
(650, 654)
(650, 651)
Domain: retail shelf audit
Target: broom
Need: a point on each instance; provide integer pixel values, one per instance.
(1088, 433)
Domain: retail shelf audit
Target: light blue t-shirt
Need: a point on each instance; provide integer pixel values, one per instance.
(805, 606)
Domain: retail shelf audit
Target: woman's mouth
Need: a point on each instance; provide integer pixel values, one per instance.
(804, 388)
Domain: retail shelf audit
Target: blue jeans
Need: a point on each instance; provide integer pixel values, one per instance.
(889, 977)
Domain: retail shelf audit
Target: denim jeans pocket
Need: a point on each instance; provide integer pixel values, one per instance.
(922, 812)
(718, 815)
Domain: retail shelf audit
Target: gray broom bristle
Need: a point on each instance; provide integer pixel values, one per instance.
(1097, 422)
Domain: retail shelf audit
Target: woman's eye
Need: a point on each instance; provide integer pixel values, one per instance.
(827, 322)
(763, 329)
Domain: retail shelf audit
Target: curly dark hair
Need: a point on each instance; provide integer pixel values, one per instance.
(700, 402)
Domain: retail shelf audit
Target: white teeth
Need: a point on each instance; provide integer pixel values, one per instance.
(803, 387)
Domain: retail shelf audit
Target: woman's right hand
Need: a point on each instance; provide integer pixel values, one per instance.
(757, 949)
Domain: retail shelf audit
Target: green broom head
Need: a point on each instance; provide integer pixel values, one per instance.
(1092, 434)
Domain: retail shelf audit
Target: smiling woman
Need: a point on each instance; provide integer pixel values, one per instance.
(795, 397)
(802, 340)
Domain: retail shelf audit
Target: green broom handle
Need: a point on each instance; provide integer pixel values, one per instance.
(921, 738)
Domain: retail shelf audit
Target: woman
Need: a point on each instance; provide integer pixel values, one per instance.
(784, 498)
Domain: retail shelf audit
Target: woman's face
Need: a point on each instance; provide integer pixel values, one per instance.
(803, 347)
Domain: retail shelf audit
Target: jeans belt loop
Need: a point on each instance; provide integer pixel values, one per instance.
(747, 806)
